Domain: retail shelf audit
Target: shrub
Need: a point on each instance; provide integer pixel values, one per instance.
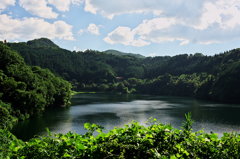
(133, 141)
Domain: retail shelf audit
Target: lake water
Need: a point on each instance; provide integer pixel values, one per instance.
(110, 110)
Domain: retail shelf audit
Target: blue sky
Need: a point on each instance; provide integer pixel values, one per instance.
(147, 27)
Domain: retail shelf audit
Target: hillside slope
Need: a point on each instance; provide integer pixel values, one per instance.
(115, 52)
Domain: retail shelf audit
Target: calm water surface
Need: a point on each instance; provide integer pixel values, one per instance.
(110, 110)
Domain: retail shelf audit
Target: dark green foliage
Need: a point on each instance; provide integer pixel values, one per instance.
(8, 143)
(42, 42)
(103, 87)
(29, 89)
(207, 77)
(115, 52)
(132, 141)
(5, 117)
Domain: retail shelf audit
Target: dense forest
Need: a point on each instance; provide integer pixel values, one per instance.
(26, 91)
(115, 52)
(195, 75)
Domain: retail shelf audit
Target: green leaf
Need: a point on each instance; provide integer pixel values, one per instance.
(87, 126)
(66, 155)
(80, 147)
(48, 132)
(173, 157)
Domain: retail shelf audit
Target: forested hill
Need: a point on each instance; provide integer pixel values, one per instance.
(89, 66)
(115, 52)
(26, 91)
(210, 77)
(42, 42)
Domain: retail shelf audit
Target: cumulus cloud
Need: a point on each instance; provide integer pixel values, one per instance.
(38, 7)
(140, 42)
(147, 31)
(92, 29)
(155, 24)
(124, 35)
(199, 21)
(117, 7)
(63, 5)
(5, 3)
(31, 28)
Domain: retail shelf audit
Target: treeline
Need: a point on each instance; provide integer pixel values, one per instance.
(26, 91)
(208, 77)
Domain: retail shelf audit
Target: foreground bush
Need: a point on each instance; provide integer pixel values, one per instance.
(133, 141)
(8, 143)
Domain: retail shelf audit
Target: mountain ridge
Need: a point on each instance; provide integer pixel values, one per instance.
(116, 52)
(42, 42)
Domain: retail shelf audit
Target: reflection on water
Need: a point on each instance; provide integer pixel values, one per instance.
(110, 110)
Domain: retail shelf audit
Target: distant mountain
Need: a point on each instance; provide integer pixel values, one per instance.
(42, 42)
(115, 52)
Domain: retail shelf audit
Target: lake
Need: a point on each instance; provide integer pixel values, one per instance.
(111, 110)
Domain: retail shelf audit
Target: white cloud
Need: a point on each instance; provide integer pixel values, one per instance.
(16, 41)
(185, 42)
(124, 35)
(5, 3)
(147, 31)
(92, 29)
(140, 42)
(80, 31)
(117, 7)
(63, 16)
(155, 24)
(199, 21)
(204, 22)
(199, 14)
(38, 7)
(31, 28)
(224, 13)
(111, 8)
(75, 48)
(153, 54)
(63, 5)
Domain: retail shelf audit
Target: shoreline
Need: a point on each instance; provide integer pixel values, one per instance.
(218, 101)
